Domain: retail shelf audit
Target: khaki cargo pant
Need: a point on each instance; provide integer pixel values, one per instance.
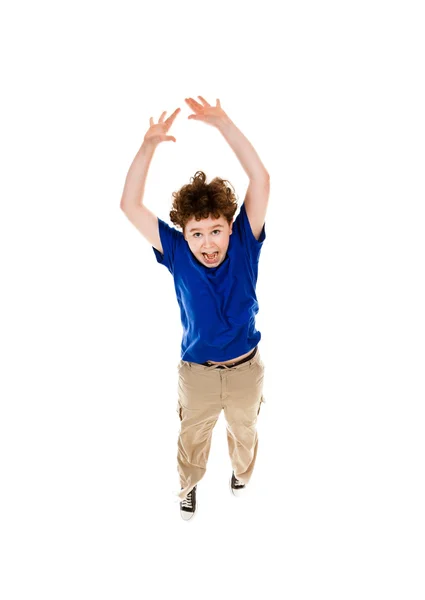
(203, 392)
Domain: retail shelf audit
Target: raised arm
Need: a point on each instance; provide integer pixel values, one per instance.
(132, 197)
(257, 194)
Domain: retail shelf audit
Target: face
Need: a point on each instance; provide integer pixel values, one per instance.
(208, 239)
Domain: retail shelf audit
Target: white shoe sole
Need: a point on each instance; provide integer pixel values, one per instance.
(188, 516)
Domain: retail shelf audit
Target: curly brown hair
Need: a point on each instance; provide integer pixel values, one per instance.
(199, 200)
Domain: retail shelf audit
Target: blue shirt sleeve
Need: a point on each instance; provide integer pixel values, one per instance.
(170, 238)
(245, 232)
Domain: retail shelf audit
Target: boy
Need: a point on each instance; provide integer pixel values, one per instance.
(214, 262)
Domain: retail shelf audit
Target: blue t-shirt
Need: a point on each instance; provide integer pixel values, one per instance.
(217, 304)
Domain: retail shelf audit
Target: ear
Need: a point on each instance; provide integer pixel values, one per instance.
(231, 226)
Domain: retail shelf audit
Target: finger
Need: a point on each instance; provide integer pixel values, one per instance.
(151, 121)
(173, 116)
(169, 138)
(218, 103)
(193, 104)
(204, 101)
(161, 118)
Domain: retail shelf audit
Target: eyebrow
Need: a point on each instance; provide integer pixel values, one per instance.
(212, 227)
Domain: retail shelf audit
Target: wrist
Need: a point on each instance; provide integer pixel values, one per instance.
(148, 145)
(225, 123)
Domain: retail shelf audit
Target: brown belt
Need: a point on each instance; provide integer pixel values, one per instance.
(239, 362)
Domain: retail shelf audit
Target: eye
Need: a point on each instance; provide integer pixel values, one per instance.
(196, 234)
(216, 231)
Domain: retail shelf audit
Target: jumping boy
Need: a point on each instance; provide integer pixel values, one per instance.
(214, 262)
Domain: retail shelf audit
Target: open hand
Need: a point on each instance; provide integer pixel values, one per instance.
(157, 132)
(212, 115)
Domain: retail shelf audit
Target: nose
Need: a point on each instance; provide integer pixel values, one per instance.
(208, 244)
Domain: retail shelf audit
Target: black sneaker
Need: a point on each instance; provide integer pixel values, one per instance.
(188, 505)
(236, 487)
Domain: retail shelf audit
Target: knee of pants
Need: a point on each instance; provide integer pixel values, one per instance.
(195, 426)
(243, 417)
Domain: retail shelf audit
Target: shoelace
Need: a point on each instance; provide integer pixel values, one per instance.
(239, 483)
(187, 501)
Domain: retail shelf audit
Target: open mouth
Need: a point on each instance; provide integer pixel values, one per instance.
(210, 258)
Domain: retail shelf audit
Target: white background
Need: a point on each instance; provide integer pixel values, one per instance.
(331, 94)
